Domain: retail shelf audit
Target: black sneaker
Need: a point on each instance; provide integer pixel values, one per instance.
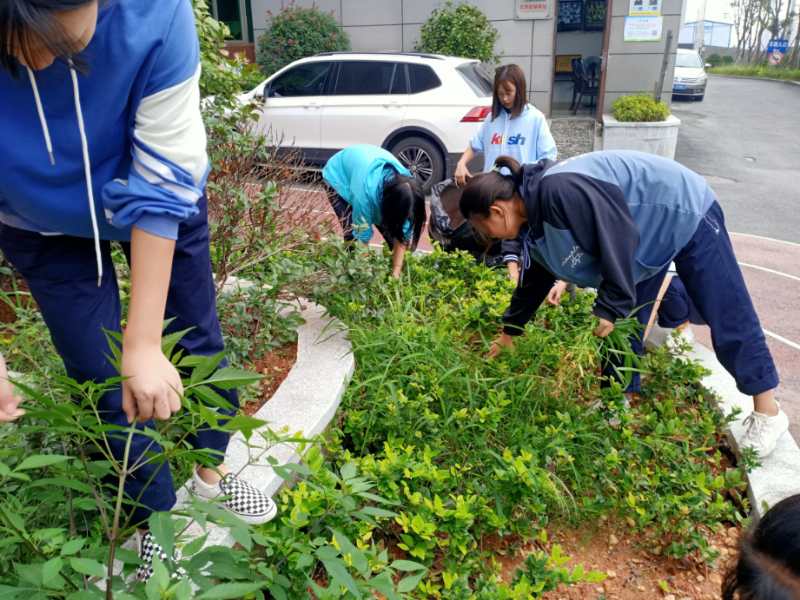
(239, 497)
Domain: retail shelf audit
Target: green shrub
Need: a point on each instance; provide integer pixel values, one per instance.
(296, 33)
(639, 108)
(714, 60)
(727, 60)
(459, 30)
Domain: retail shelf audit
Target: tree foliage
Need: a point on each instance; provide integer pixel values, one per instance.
(296, 33)
(459, 30)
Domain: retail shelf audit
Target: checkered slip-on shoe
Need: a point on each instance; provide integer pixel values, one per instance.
(239, 497)
(148, 548)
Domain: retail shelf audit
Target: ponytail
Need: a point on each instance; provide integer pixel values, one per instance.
(512, 165)
(483, 190)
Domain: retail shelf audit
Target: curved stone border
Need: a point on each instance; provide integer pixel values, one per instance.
(778, 477)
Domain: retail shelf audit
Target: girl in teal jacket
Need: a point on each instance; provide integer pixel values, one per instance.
(370, 187)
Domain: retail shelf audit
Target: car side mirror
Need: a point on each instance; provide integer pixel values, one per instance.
(708, 65)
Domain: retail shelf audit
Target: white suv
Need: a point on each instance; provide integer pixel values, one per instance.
(423, 108)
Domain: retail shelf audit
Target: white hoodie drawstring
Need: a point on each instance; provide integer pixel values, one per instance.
(42, 120)
(87, 166)
(87, 169)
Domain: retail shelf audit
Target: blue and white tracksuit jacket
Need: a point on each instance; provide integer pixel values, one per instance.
(614, 221)
(138, 108)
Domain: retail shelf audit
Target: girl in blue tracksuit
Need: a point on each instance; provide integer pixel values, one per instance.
(516, 129)
(368, 186)
(614, 221)
(102, 140)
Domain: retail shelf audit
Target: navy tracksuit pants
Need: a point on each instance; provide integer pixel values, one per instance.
(717, 294)
(61, 274)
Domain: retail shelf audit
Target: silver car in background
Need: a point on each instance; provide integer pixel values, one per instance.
(690, 75)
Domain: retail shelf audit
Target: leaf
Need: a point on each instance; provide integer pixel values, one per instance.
(230, 378)
(338, 572)
(408, 565)
(50, 571)
(348, 471)
(38, 461)
(87, 566)
(231, 590)
(163, 531)
(195, 545)
(410, 583)
(72, 547)
(360, 562)
(206, 367)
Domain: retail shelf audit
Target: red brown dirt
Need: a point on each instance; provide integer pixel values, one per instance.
(633, 573)
(274, 366)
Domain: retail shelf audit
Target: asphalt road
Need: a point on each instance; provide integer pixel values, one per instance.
(744, 137)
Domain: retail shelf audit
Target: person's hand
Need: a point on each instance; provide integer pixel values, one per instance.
(555, 293)
(152, 387)
(501, 342)
(462, 174)
(604, 328)
(9, 401)
(513, 271)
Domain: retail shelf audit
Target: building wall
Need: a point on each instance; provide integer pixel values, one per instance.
(394, 26)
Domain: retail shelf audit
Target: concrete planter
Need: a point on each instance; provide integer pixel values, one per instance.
(660, 137)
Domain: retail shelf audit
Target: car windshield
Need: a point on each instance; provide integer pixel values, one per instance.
(476, 75)
(689, 60)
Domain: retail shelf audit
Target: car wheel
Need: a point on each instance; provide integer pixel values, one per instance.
(422, 158)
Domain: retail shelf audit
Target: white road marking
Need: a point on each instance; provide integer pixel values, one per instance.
(763, 237)
(768, 270)
(782, 339)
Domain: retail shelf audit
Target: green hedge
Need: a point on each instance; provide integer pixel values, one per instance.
(765, 71)
(296, 33)
(639, 108)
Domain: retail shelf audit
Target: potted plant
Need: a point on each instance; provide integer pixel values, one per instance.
(640, 122)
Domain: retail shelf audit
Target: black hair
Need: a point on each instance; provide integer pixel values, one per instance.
(769, 560)
(403, 200)
(25, 23)
(512, 74)
(484, 189)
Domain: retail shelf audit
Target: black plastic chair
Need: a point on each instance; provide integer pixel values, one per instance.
(584, 83)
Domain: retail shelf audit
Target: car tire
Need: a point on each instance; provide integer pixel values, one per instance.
(423, 158)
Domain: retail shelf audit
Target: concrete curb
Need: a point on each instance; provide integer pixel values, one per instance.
(304, 404)
(778, 477)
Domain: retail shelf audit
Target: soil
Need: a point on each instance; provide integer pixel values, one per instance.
(274, 366)
(633, 573)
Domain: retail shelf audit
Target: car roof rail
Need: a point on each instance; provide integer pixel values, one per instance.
(418, 54)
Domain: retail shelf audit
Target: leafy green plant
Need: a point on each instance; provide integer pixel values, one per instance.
(296, 33)
(459, 30)
(639, 108)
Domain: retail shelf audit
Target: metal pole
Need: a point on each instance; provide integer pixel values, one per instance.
(664, 64)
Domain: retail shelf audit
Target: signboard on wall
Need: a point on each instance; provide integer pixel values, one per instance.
(776, 50)
(643, 29)
(534, 9)
(645, 8)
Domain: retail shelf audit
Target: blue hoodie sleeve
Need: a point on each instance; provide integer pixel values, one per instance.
(170, 165)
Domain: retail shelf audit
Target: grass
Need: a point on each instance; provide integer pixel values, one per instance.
(764, 71)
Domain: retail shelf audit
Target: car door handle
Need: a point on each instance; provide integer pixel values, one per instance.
(312, 106)
(392, 105)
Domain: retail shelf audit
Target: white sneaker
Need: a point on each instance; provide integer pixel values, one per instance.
(763, 431)
(239, 497)
(680, 340)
